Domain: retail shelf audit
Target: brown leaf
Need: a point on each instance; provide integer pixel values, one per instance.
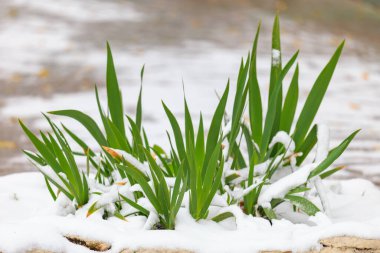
(7, 144)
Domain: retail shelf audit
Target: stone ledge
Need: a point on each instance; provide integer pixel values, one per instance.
(338, 244)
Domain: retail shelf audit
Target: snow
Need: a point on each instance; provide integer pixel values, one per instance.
(283, 138)
(276, 57)
(29, 221)
(78, 11)
(319, 186)
(323, 137)
(281, 187)
(63, 205)
(134, 162)
(238, 193)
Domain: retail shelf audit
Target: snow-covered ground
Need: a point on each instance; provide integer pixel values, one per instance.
(52, 58)
(52, 52)
(30, 219)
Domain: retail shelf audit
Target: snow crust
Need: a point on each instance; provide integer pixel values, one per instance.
(28, 219)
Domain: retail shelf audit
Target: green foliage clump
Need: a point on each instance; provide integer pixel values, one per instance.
(235, 162)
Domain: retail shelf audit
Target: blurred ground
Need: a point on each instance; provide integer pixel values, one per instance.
(53, 52)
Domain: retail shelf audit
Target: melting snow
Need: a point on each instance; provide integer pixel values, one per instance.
(31, 221)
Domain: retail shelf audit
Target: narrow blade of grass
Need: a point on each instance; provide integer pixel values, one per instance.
(115, 103)
(275, 74)
(271, 113)
(216, 124)
(86, 121)
(315, 97)
(176, 131)
(254, 103)
(304, 204)
(139, 102)
(333, 155)
(290, 104)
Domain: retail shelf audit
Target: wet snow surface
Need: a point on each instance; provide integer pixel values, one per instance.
(32, 220)
(53, 52)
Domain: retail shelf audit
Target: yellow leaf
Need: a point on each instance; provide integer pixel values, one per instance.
(7, 145)
(365, 75)
(43, 73)
(354, 106)
(112, 152)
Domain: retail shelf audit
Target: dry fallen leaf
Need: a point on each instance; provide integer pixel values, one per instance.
(354, 106)
(281, 5)
(13, 12)
(43, 73)
(365, 75)
(7, 145)
(16, 78)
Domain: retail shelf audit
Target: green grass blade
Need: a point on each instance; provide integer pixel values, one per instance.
(111, 138)
(254, 100)
(269, 213)
(307, 145)
(139, 102)
(177, 184)
(115, 103)
(275, 74)
(137, 140)
(85, 189)
(330, 172)
(50, 189)
(304, 204)
(86, 121)
(298, 189)
(176, 131)
(44, 151)
(179, 200)
(333, 155)
(248, 140)
(222, 216)
(209, 173)
(142, 181)
(165, 201)
(79, 141)
(211, 194)
(189, 127)
(216, 124)
(290, 104)
(239, 101)
(35, 157)
(271, 113)
(135, 205)
(200, 144)
(315, 98)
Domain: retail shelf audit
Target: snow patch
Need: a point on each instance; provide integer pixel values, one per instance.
(276, 57)
(355, 210)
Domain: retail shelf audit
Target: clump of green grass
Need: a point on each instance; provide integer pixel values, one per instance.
(236, 162)
(55, 152)
(280, 117)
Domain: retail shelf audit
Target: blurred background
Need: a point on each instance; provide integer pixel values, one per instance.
(52, 53)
